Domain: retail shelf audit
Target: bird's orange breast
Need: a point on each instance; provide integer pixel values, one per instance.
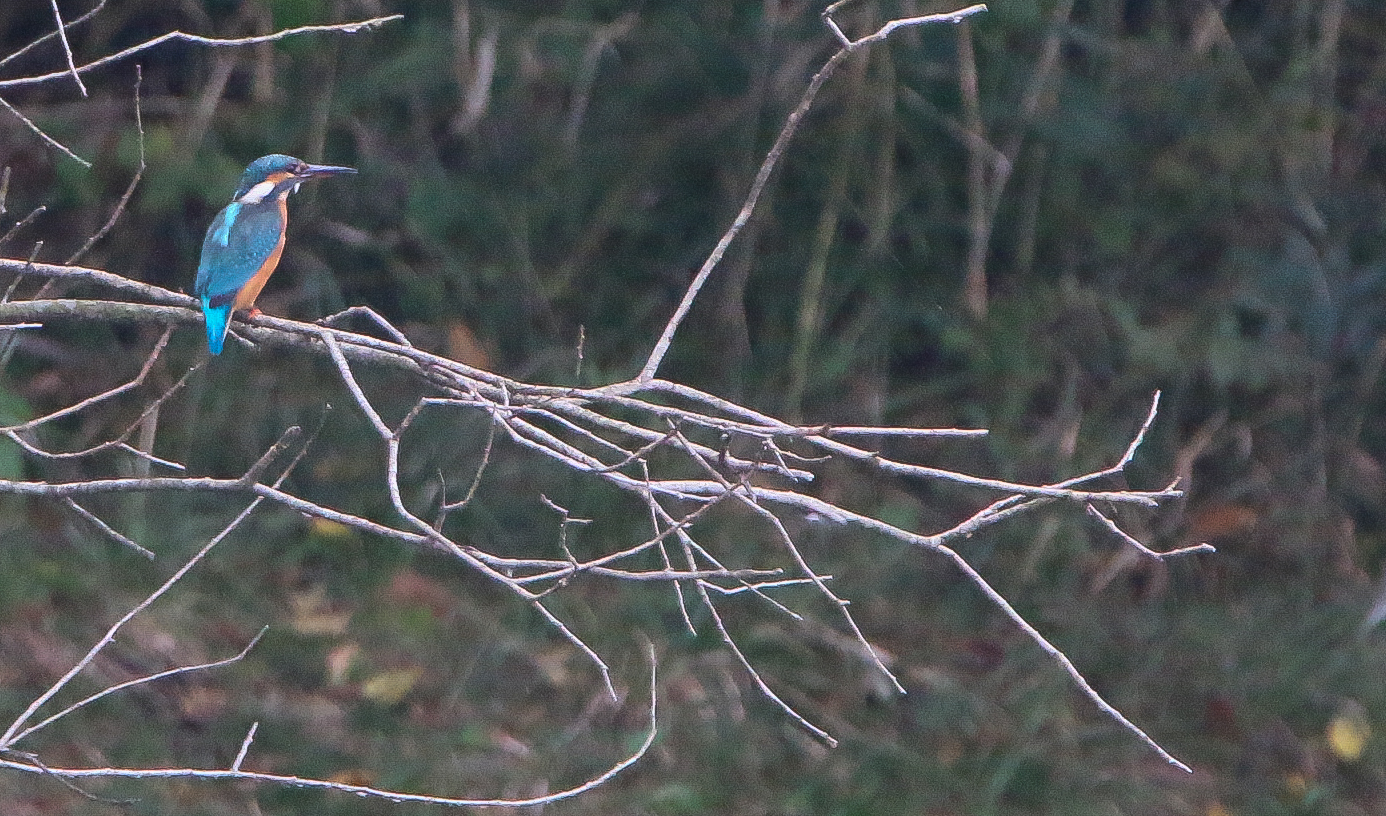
(246, 297)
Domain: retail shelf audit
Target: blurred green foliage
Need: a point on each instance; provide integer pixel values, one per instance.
(1196, 206)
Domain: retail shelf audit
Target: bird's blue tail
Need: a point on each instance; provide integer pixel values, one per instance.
(217, 319)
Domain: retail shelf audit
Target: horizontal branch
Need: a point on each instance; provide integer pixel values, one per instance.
(146, 292)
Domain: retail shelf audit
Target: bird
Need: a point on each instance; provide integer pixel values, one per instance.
(245, 240)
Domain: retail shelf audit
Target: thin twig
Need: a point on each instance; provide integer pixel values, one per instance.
(21, 224)
(245, 746)
(50, 35)
(1141, 548)
(129, 189)
(67, 48)
(1057, 655)
(197, 39)
(374, 316)
(38, 131)
(767, 167)
(114, 534)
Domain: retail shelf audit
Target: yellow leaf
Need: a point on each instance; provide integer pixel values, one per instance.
(313, 614)
(1217, 809)
(1348, 735)
(322, 624)
(328, 528)
(389, 687)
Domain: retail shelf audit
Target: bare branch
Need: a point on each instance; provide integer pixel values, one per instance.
(1141, 548)
(67, 48)
(50, 35)
(75, 71)
(508, 401)
(234, 773)
(107, 529)
(17, 728)
(38, 131)
(139, 681)
(767, 166)
(197, 39)
(129, 189)
(147, 293)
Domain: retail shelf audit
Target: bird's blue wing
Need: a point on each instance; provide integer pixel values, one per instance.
(239, 241)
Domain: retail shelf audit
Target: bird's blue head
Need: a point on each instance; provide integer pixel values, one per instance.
(269, 175)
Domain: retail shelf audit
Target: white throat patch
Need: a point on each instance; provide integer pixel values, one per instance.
(257, 193)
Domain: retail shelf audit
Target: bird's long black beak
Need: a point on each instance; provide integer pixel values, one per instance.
(316, 170)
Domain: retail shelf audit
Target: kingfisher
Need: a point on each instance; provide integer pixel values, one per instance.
(245, 240)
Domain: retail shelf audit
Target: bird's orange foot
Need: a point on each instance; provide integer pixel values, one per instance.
(253, 313)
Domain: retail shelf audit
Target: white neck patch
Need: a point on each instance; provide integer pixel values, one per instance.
(257, 193)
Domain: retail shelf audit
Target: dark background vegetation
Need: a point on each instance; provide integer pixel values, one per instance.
(1196, 206)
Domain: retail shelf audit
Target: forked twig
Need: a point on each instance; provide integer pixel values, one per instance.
(139, 681)
(235, 773)
(1141, 548)
(17, 729)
